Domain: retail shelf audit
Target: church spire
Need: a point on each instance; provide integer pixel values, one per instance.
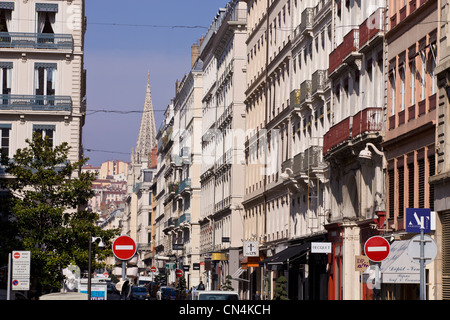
(147, 132)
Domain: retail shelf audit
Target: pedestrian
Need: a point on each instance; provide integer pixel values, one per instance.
(376, 290)
(201, 286)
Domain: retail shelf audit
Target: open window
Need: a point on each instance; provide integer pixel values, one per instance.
(6, 9)
(45, 79)
(46, 131)
(46, 17)
(4, 139)
(5, 77)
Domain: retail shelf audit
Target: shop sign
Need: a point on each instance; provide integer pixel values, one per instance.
(251, 248)
(361, 263)
(320, 247)
(219, 256)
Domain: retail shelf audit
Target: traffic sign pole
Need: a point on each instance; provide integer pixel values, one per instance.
(8, 292)
(422, 264)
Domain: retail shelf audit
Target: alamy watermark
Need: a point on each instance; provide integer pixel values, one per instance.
(231, 146)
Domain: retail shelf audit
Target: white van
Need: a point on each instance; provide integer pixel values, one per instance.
(214, 295)
(64, 296)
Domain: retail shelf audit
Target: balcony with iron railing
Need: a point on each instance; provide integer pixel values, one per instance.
(349, 45)
(300, 96)
(172, 190)
(371, 27)
(319, 81)
(312, 158)
(305, 91)
(369, 120)
(307, 22)
(40, 103)
(184, 185)
(223, 204)
(238, 16)
(337, 134)
(287, 164)
(297, 163)
(168, 224)
(24, 40)
(185, 218)
(176, 160)
(166, 140)
(294, 99)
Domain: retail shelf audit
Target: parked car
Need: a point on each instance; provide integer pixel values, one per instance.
(139, 293)
(214, 295)
(111, 287)
(169, 293)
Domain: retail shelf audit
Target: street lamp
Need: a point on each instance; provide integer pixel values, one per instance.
(100, 245)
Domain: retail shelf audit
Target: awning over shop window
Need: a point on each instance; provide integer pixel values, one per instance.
(398, 267)
(288, 255)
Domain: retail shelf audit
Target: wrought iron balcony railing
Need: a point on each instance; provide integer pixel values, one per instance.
(349, 44)
(185, 184)
(36, 40)
(371, 26)
(369, 120)
(35, 102)
(307, 20)
(319, 81)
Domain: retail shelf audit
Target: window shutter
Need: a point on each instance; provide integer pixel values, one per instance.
(391, 193)
(421, 195)
(445, 219)
(432, 165)
(401, 191)
(411, 185)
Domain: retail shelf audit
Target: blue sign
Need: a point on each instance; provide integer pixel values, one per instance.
(418, 219)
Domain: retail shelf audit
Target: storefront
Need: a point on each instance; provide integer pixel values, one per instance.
(399, 276)
(304, 271)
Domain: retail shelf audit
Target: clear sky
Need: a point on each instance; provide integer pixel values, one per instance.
(124, 41)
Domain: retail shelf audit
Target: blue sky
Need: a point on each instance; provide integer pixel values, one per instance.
(124, 41)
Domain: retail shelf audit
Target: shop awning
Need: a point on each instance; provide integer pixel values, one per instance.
(288, 255)
(397, 267)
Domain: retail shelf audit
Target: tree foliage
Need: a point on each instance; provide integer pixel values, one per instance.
(280, 289)
(47, 208)
(227, 285)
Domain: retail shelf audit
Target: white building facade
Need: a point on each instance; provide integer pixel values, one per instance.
(223, 52)
(42, 75)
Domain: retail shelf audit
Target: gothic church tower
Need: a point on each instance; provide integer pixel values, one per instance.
(147, 132)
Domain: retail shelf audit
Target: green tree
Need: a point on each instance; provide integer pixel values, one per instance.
(181, 284)
(280, 289)
(227, 286)
(47, 211)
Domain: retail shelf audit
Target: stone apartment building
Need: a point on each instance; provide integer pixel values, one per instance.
(441, 179)
(181, 173)
(412, 40)
(42, 75)
(223, 53)
(344, 105)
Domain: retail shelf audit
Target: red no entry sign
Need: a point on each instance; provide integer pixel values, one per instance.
(124, 248)
(153, 269)
(179, 273)
(377, 248)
